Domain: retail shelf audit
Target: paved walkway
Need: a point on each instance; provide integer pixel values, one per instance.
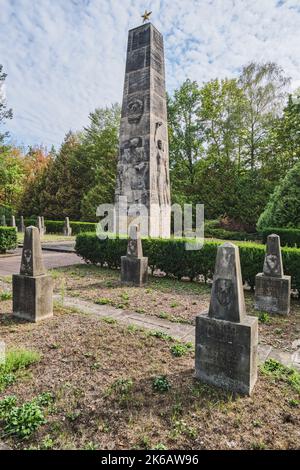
(182, 332)
(52, 259)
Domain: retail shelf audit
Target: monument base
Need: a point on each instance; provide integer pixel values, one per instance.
(134, 271)
(226, 353)
(273, 294)
(32, 297)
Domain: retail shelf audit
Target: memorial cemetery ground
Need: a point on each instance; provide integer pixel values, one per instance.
(87, 382)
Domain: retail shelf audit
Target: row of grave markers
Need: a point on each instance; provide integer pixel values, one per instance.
(67, 230)
(226, 339)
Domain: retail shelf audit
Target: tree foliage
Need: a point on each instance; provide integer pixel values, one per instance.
(283, 208)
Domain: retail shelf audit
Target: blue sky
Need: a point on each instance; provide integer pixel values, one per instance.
(66, 57)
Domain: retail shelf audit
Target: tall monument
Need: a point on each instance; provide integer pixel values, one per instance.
(143, 165)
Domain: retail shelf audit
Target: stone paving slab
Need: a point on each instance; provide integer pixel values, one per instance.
(11, 265)
(179, 331)
(61, 247)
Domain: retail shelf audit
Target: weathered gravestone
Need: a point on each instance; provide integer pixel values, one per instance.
(33, 287)
(40, 226)
(143, 165)
(227, 338)
(22, 225)
(134, 267)
(67, 231)
(272, 287)
(13, 221)
(3, 221)
(43, 225)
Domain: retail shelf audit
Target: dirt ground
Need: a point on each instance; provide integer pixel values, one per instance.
(101, 376)
(178, 301)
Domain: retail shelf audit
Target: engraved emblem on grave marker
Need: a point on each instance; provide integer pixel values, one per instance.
(224, 291)
(271, 264)
(26, 259)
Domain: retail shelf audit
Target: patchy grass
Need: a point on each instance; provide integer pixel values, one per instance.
(282, 373)
(111, 387)
(169, 299)
(5, 295)
(16, 361)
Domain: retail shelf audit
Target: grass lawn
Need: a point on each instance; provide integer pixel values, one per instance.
(174, 300)
(94, 384)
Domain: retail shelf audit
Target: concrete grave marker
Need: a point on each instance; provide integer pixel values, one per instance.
(134, 266)
(272, 287)
(226, 337)
(67, 231)
(33, 287)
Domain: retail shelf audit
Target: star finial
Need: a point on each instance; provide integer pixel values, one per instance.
(146, 16)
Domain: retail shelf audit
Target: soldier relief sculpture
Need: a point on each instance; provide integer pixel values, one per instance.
(133, 170)
(162, 173)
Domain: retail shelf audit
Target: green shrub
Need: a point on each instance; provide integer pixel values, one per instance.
(8, 239)
(288, 236)
(212, 229)
(171, 257)
(56, 226)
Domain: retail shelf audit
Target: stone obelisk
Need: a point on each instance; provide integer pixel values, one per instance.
(143, 165)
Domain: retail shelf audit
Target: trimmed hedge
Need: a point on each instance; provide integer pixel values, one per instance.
(8, 239)
(56, 226)
(171, 257)
(288, 236)
(212, 229)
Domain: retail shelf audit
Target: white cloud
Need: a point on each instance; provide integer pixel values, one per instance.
(64, 58)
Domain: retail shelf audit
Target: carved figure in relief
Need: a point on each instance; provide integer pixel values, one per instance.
(162, 179)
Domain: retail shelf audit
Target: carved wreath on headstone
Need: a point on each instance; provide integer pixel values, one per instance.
(271, 264)
(26, 260)
(224, 291)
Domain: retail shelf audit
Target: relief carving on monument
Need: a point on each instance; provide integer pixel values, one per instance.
(135, 109)
(133, 171)
(162, 177)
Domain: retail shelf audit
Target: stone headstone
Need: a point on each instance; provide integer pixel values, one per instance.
(13, 221)
(272, 287)
(143, 165)
(43, 225)
(33, 287)
(40, 226)
(67, 231)
(134, 266)
(226, 337)
(22, 225)
(3, 221)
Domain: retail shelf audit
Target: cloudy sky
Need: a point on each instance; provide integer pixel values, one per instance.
(66, 57)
